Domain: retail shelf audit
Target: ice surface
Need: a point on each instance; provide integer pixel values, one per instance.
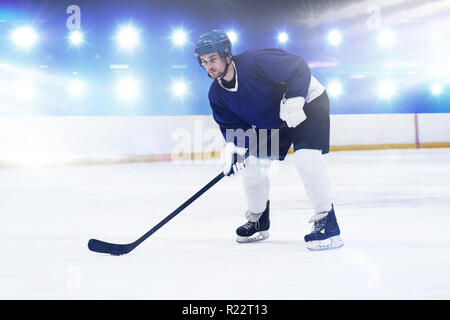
(393, 208)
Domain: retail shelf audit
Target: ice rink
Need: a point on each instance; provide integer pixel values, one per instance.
(393, 207)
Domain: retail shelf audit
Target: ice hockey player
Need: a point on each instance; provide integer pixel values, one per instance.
(269, 89)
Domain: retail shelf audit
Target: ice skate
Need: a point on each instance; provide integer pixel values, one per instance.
(325, 234)
(255, 231)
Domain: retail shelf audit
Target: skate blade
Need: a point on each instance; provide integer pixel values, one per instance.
(262, 235)
(327, 244)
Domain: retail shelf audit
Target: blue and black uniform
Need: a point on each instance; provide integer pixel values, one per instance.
(252, 99)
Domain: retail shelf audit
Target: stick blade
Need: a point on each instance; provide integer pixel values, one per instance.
(110, 248)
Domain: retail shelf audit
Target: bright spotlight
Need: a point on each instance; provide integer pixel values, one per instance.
(283, 37)
(76, 38)
(127, 88)
(179, 37)
(179, 88)
(127, 37)
(386, 38)
(386, 89)
(76, 88)
(24, 37)
(334, 88)
(232, 36)
(334, 37)
(436, 89)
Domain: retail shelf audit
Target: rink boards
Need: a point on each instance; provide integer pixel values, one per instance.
(86, 140)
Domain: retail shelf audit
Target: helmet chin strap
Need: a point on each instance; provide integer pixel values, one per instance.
(223, 74)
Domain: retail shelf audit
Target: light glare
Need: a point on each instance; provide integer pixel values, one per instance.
(76, 88)
(128, 37)
(334, 37)
(436, 89)
(386, 89)
(386, 38)
(24, 90)
(283, 37)
(76, 38)
(232, 36)
(179, 88)
(24, 37)
(334, 88)
(179, 37)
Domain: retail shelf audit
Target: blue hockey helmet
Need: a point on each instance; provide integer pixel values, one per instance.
(213, 41)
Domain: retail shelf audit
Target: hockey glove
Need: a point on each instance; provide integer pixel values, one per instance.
(230, 164)
(291, 111)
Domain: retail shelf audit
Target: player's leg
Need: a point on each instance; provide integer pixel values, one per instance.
(256, 186)
(325, 233)
(311, 141)
(311, 166)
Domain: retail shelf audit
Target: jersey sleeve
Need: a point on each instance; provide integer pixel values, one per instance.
(285, 69)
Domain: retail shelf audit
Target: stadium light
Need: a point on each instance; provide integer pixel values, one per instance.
(386, 38)
(232, 35)
(283, 37)
(334, 37)
(127, 88)
(334, 88)
(436, 89)
(127, 37)
(24, 37)
(76, 38)
(386, 89)
(179, 37)
(179, 88)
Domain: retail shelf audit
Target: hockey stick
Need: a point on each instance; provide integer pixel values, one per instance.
(120, 249)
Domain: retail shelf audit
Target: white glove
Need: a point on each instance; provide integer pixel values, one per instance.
(291, 111)
(229, 166)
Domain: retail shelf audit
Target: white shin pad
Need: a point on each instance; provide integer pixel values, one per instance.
(256, 186)
(311, 166)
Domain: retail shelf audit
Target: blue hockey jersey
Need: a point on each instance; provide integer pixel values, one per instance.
(263, 76)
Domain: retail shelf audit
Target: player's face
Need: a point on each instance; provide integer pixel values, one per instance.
(214, 64)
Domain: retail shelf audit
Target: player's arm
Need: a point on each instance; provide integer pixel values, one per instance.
(292, 72)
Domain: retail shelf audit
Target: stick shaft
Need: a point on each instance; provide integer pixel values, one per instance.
(180, 208)
(119, 249)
